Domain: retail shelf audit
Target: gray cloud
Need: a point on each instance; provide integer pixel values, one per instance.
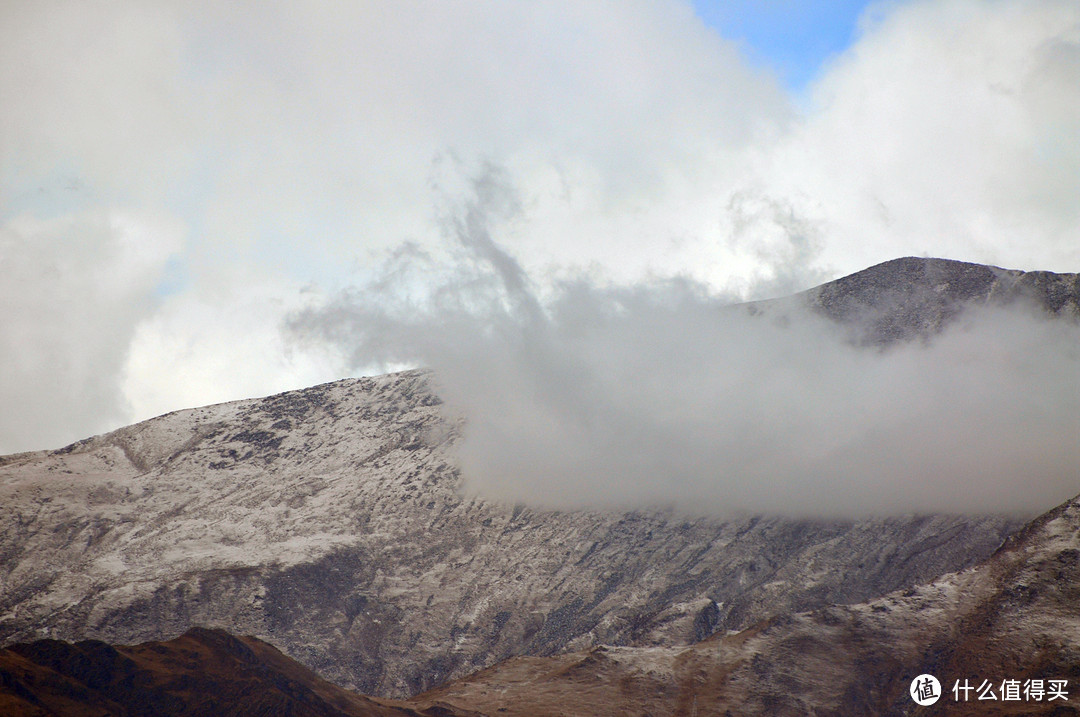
(662, 393)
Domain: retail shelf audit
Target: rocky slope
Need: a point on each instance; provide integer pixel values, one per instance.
(328, 522)
(1014, 617)
(915, 298)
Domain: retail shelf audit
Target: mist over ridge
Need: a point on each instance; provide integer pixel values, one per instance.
(416, 339)
(179, 175)
(663, 393)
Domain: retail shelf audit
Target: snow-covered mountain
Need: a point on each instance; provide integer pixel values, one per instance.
(1001, 638)
(329, 522)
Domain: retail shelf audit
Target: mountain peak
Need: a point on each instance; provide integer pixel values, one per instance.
(916, 297)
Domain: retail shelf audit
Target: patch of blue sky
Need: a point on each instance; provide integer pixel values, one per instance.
(793, 38)
(174, 278)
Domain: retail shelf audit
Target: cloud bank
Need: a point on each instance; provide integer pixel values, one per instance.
(278, 152)
(665, 394)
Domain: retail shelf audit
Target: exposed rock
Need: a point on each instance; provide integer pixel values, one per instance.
(915, 298)
(1015, 617)
(344, 540)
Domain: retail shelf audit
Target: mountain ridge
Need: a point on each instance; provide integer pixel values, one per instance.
(917, 297)
(1013, 617)
(329, 521)
(202, 672)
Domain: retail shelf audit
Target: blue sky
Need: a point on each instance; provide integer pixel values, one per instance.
(791, 36)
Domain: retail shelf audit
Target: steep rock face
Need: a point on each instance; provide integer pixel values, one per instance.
(329, 521)
(1014, 617)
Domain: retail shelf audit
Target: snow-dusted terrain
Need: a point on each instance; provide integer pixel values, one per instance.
(329, 522)
(1014, 618)
(1003, 637)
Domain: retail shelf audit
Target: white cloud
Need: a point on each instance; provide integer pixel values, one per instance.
(948, 129)
(318, 123)
(222, 344)
(73, 293)
(94, 90)
(299, 142)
